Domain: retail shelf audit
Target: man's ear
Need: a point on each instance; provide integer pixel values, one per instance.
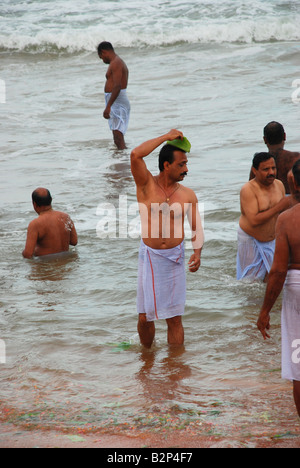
(254, 171)
(166, 165)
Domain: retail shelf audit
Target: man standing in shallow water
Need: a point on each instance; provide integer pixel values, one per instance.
(117, 110)
(285, 273)
(163, 204)
(52, 232)
(262, 200)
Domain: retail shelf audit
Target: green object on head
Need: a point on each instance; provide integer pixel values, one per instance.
(183, 145)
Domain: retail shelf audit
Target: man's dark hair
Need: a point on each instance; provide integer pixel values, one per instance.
(261, 157)
(166, 155)
(105, 46)
(274, 133)
(41, 200)
(296, 172)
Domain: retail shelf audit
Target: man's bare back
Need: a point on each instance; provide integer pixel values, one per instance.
(52, 232)
(289, 223)
(275, 139)
(284, 162)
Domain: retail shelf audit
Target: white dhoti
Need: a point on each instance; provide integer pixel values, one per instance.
(161, 282)
(120, 112)
(254, 258)
(290, 327)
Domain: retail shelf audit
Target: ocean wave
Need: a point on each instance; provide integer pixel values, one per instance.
(86, 40)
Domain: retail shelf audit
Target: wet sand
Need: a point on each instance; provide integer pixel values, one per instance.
(264, 418)
(12, 436)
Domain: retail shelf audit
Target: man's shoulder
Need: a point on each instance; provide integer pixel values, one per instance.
(288, 156)
(291, 213)
(189, 193)
(279, 185)
(249, 187)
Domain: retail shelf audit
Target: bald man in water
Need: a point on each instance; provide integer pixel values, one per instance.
(52, 232)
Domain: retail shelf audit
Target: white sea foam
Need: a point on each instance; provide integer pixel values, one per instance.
(55, 26)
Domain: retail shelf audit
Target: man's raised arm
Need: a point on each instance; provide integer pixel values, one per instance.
(138, 167)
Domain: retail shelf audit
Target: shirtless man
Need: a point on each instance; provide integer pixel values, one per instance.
(163, 204)
(117, 110)
(286, 272)
(262, 200)
(52, 232)
(275, 139)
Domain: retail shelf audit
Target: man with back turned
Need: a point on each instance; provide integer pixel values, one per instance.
(52, 232)
(285, 273)
(275, 139)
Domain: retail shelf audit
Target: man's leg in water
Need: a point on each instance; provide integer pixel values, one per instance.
(175, 331)
(119, 139)
(146, 331)
(297, 395)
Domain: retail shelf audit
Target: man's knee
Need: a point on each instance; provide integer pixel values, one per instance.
(143, 321)
(174, 321)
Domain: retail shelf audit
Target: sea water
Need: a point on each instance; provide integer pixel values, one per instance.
(217, 70)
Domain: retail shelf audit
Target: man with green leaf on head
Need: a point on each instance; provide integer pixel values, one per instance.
(164, 203)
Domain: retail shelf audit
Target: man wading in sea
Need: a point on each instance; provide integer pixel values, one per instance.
(275, 139)
(285, 273)
(117, 110)
(262, 200)
(163, 204)
(52, 232)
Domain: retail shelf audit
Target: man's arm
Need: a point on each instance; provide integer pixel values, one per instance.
(138, 167)
(249, 207)
(277, 277)
(73, 235)
(194, 219)
(116, 71)
(32, 238)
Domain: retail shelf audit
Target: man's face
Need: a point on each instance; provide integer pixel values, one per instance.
(267, 172)
(104, 56)
(178, 169)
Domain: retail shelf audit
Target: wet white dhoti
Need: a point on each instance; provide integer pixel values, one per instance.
(254, 258)
(161, 282)
(290, 327)
(120, 112)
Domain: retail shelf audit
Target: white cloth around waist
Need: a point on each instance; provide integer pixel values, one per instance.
(161, 282)
(120, 112)
(254, 258)
(290, 327)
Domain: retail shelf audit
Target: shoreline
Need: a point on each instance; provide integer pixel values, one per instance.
(13, 436)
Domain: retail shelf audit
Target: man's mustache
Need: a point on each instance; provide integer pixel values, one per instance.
(184, 174)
